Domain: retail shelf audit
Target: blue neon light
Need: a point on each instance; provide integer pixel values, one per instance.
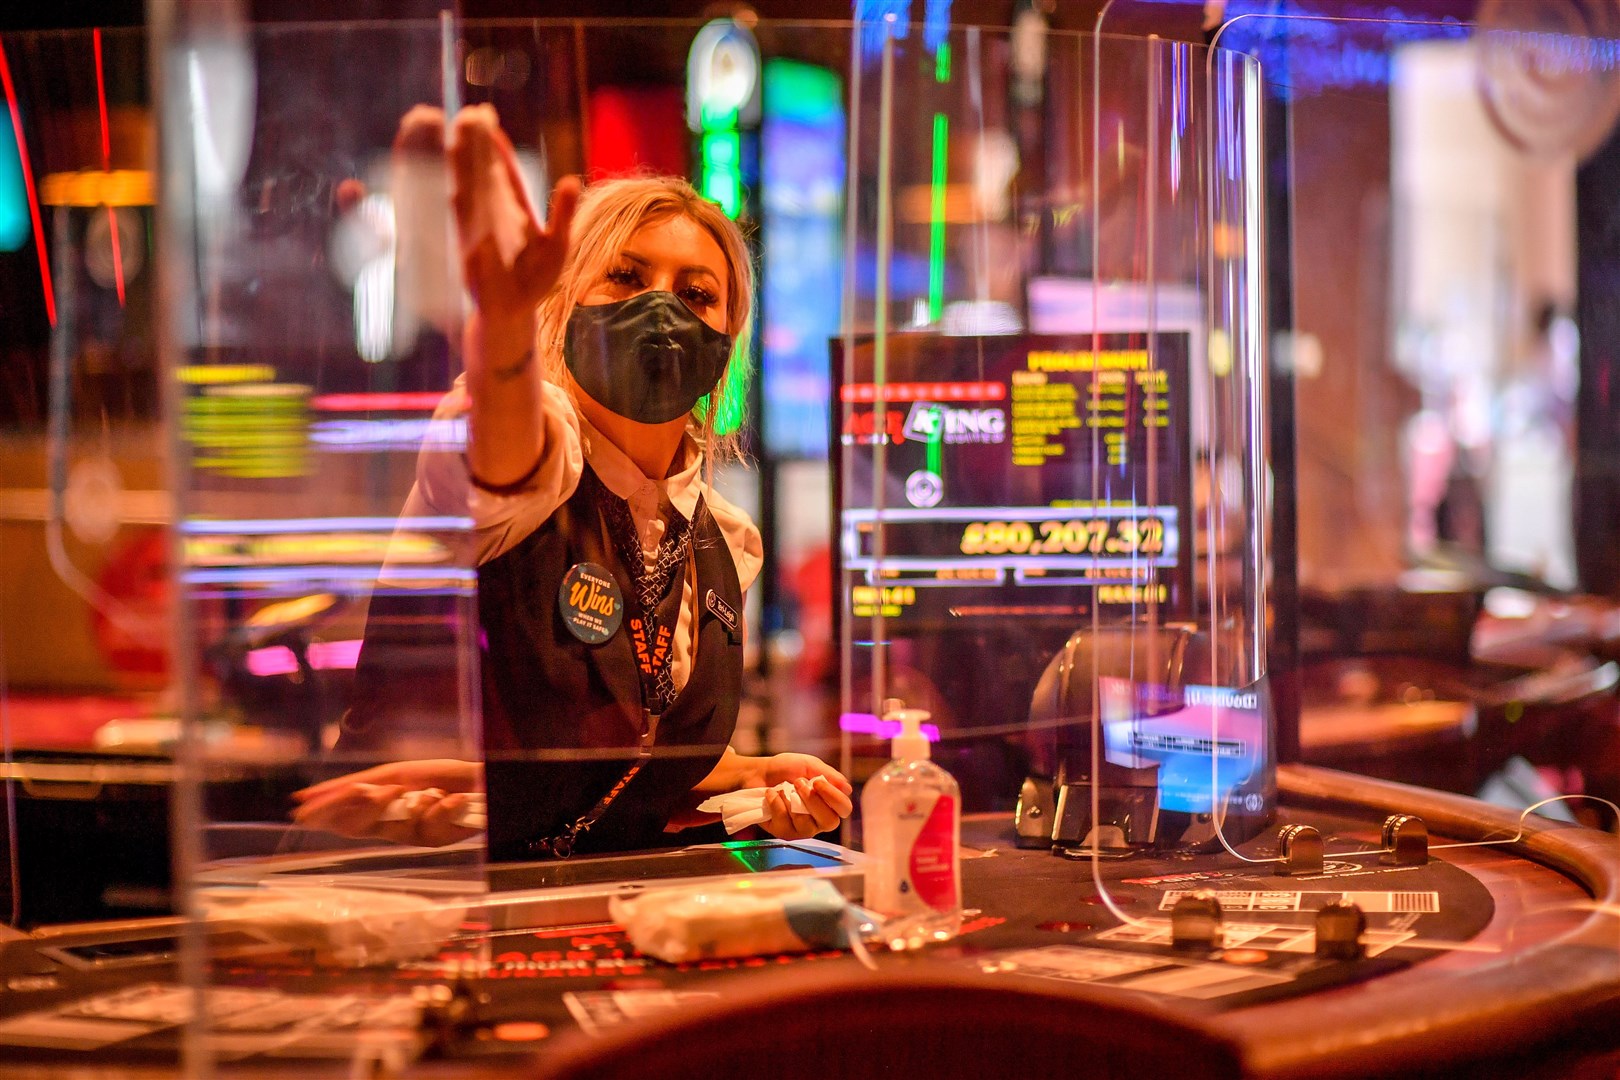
(13, 193)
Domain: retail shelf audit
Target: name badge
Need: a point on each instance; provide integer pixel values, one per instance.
(590, 603)
(724, 612)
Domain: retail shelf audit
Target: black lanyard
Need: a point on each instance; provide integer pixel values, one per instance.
(652, 640)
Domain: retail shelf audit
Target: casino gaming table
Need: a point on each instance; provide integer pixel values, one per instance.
(1485, 960)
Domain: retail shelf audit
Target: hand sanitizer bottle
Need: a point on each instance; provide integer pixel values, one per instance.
(911, 814)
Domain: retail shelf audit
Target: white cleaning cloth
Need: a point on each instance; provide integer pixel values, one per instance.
(746, 806)
(413, 804)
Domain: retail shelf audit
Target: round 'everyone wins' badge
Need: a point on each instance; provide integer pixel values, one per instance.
(590, 603)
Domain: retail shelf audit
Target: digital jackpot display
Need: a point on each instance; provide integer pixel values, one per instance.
(987, 478)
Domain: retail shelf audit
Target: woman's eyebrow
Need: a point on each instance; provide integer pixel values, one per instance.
(694, 268)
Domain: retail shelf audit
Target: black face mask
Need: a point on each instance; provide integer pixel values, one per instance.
(647, 358)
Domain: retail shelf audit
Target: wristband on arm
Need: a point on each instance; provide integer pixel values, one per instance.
(516, 487)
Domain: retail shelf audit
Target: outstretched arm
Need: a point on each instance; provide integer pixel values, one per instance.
(509, 262)
(357, 804)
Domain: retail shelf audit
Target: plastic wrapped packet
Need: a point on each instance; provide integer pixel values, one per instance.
(344, 927)
(743, 918)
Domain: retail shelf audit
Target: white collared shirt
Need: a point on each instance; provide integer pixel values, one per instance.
(500, 522)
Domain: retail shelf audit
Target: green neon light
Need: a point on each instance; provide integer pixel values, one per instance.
(714, 119)
(942, 63)
(734, 398)
(720, 151)
(936, 450)
(720, 179)
(721, 158)
(802, 92)
(936, 222)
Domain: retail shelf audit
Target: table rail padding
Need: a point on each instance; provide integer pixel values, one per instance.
(1556, 997)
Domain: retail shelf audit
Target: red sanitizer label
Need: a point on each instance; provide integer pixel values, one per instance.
(933, 857)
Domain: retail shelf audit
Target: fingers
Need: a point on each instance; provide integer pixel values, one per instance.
(506, 154)
(540, 262)
(783, 822)
(356, 809)
(825, 806)
(791, 766)
(560, 213)
(838, 781)
(817, 802)
(509, 259)
(444, 823)
(377, 774)
(837, 798)
(391, 812)
(421, 131)
(472, 153)
(451, 774)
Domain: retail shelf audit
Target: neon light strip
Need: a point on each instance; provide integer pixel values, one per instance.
(1048, 578)
(861, 393)
(216, 374)
(1012, 513)
(1116, 561)
(323, 656)
(426, 401)
(224, 576)
(101, 100)
(929, 582)
(936, 221)
(106, 165)
(301, 588)
(88, 189)
(867, 724)
(28, 181)
(272, 526)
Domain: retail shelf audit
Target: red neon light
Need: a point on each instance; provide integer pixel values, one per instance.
(101, 97)
(118, 258)
(28, 182)
(106, 166)
(924, 391)
(423, 402)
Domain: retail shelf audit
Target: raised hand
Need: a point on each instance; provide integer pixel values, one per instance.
(509, 259)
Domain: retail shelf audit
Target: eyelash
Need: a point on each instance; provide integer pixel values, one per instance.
(629, 277)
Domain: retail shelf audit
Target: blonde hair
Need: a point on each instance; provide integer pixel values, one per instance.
(610, 212)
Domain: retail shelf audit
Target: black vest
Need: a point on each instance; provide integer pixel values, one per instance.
(562, 719)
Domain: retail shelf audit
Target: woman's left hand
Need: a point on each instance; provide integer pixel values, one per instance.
(825, 791)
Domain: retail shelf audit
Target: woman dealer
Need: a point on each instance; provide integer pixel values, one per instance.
(611, 574)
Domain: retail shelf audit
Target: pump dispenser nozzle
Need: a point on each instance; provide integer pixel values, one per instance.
(910, 744)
